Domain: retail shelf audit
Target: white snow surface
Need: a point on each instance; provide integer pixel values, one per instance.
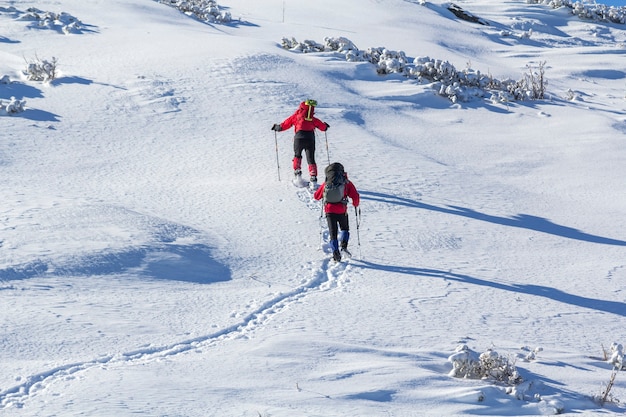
(155, 259)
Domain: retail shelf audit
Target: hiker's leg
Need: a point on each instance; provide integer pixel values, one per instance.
(333, 229)
(344, 226)
(309, 151)
(298, 147)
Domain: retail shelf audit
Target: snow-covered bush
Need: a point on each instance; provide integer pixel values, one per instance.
(606, 395)
(204, 10)
(389, 62)
(447, 81)
(13, 106)
(617, 356)
(305, 46)
(588, 11)
(340, 44)
(532, 353)
(41, 70)
(465, 363)
(532, 85)
(488, 365)
(50, 20)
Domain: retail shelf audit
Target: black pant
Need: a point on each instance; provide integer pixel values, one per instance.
(337, 222)
(305, 141)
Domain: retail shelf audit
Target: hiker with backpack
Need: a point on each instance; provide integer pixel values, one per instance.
(334, 193)
(304, 123)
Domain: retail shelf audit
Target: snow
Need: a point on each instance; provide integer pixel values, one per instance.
(152, 262)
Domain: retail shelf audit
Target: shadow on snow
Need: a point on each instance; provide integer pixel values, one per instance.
(187, 263)
(524, 221)
(613, 307)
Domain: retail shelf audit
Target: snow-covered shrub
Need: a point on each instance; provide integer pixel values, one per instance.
(447, 81)
(537, 81)
(588, 11)
(532, 353)
(499, 368)
(340, 44)
(488, 365)
(606, 395)
(50, 20)
(527, 34)
(204, 10)
(41, 70)
(305, 47)
(465, 363)
(617, 356)
(13, 106)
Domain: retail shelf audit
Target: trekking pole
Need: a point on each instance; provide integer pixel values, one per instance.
(357, 214)
(321, 221)
(277, 163)
(327, 153)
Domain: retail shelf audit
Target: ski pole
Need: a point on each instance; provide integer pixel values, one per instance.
(321, 227)
(327, 153)
(357, 214)
(277, 163)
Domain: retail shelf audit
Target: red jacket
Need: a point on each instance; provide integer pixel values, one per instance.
(303, 119)
(339, 208)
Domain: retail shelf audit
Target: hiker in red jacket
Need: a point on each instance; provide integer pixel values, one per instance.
(335, 191)
(304, 124)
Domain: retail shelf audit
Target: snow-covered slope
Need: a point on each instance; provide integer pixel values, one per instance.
(156, 260)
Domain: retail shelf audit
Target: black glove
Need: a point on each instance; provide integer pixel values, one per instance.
(327, 125)
(276, 127)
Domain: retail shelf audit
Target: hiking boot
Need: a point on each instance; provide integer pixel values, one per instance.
(337, 256)
(344, 248)
(313, 178)
(297, 172)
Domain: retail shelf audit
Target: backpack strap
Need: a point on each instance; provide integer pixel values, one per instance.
(311, 106)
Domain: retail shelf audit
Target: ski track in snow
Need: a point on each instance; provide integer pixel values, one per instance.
(328, 276)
